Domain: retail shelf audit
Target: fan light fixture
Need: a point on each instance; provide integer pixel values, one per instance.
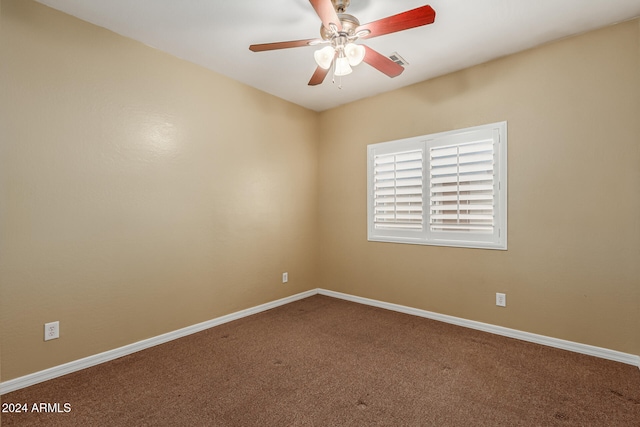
(355, 53)
(324, 57)
(342, 66)
(349, 55)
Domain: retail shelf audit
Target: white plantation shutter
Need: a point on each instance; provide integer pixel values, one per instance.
(398, 191)
(462, 187)
(445, 189)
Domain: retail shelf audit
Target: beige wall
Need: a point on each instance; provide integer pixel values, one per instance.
(572, 270)
(140, 193)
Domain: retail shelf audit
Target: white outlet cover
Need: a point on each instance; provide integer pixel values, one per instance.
(51, 330)
(501, 299)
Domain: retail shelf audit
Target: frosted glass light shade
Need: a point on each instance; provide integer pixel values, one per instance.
(355, 53)
(342, 66)
(324, 57)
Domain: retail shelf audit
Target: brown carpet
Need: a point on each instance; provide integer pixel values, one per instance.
(327, 362)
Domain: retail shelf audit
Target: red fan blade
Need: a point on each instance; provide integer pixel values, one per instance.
(402, 21)
(283, 45)
(382, 63)
(318, 76)
(326, 12)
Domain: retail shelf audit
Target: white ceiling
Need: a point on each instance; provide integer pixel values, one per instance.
(216, 34)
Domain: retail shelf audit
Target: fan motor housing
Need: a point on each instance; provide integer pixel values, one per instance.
(349, 24)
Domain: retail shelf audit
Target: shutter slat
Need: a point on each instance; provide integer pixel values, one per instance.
(415, 199)
(477, 158)
(476, 167)
(445, 151)
(462, 217)
(462, 197)
(405, 208)
(414, 164)
(466, 168)
(409, 156)
(409, 173)
(409, 183)
(384, 168)
(465, 178)
(408, 190)
(456, 207)
(458, 227)
(384, 159)
(405, 226)
(456, 188)
(476, 147)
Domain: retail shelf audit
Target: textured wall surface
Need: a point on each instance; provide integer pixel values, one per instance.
(140, 193)
(572, 268)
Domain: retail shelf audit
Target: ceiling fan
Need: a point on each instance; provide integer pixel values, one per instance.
(340, 30)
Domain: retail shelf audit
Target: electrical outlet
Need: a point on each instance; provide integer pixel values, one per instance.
(51, 331)
(501, 299)
(285, 277)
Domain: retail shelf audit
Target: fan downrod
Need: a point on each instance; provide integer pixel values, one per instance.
(340, 5)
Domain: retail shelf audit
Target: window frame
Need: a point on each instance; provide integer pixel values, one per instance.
(495, 132)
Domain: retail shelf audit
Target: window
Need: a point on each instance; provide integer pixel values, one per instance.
(447, 189)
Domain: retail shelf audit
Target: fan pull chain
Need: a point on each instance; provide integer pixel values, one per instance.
(333, 70)
(333, 77)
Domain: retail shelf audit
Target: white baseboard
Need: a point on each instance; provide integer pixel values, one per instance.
(603, 353)
(77, 365)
